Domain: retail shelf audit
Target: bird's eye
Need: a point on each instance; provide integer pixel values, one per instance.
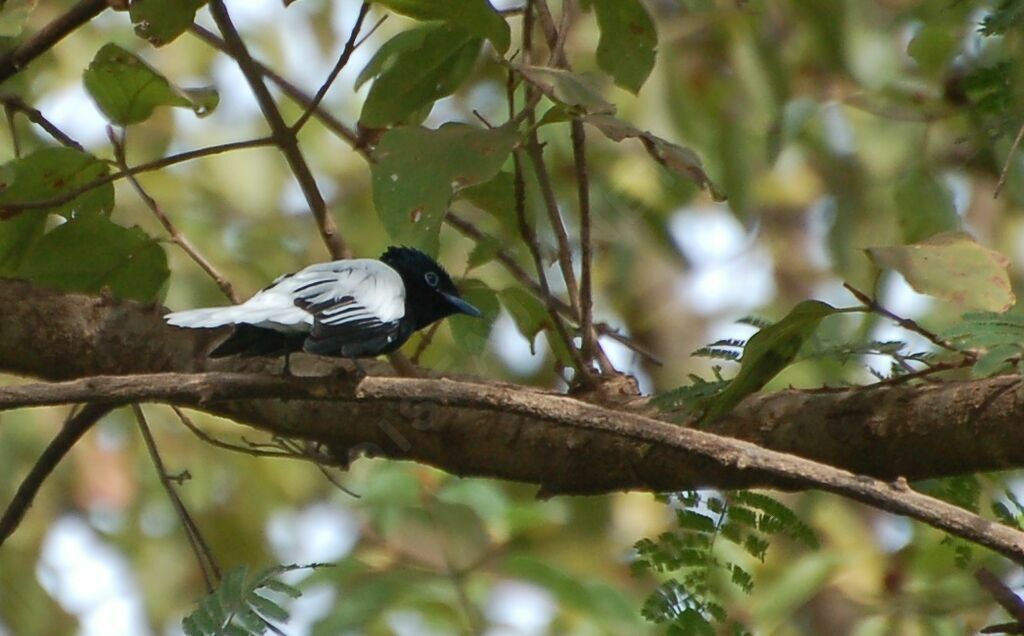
(431, 279)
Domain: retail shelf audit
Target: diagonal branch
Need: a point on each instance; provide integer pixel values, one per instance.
(204, 556)
(722, 453)
(346, 54)
(177, 237)
(14, 104)
(74, 428)
(284, 137)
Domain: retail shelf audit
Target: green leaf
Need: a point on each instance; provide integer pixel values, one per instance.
(497, 197)
(996, 360)
(676, 158)
(471, 334)
(980, 330)
(626, 50)
(485, 251)
(161, 21)
(581, 92)
(267, 608)
(953, 267)
(475, 16)
(128, 90)
(411, 79)
(54, 172)
(283, 588)
(419, 169)
(17, 236)
(191, 628)
(385, 56)
(925, 206)
(13, 14)
(768, 352)
(528, 312)
(90, 253)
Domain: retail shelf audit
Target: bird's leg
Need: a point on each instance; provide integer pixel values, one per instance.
(287, 372)
(360, 371)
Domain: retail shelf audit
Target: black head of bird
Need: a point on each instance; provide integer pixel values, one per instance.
(430, 294)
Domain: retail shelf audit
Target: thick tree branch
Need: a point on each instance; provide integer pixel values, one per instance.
(472, 427)
(647, 437)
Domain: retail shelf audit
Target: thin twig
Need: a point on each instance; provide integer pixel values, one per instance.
(872, 305)
(9, 209)
(73, 429)
(255, 450)
(296, 94)
(540, 170)
(526, 230)
(213, 441)
(15, 142)
(19, 57)
(558, 46)
(14, 103)
(177, 237)
(204, 556)
(446, 396)
(546, 20)
(1002, 594)
(590, 349)
(283, 136)
(1009, 161)
(346, 53)
(536, 154)
(460, 223)
(424, 342)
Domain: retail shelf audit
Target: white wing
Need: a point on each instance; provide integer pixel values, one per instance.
(357, 291)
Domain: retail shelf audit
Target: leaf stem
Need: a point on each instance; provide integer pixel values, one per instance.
(177, 237)
(204, 556)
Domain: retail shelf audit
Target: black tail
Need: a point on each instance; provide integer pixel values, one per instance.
(250, 340)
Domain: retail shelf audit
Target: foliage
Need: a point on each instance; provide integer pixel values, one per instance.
(241, 604)
(808, 131)
(687, 602)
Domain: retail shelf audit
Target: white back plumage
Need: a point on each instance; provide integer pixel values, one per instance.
(376, 290)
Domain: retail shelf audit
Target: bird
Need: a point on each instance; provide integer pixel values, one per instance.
(350, 308)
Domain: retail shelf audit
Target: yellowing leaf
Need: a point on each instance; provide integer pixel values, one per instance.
(580, 91)
(678, 159)
(953, 267)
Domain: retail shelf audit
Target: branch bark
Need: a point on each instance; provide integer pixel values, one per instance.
(468, 426)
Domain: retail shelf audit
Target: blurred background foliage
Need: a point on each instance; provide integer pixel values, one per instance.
(832, 126)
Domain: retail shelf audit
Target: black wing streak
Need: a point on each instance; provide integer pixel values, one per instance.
(353, 338)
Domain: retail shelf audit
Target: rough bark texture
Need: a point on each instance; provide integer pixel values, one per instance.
(468, 426)
(887, 432)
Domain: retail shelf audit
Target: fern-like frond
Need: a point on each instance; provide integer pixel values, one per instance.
(244, 605)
